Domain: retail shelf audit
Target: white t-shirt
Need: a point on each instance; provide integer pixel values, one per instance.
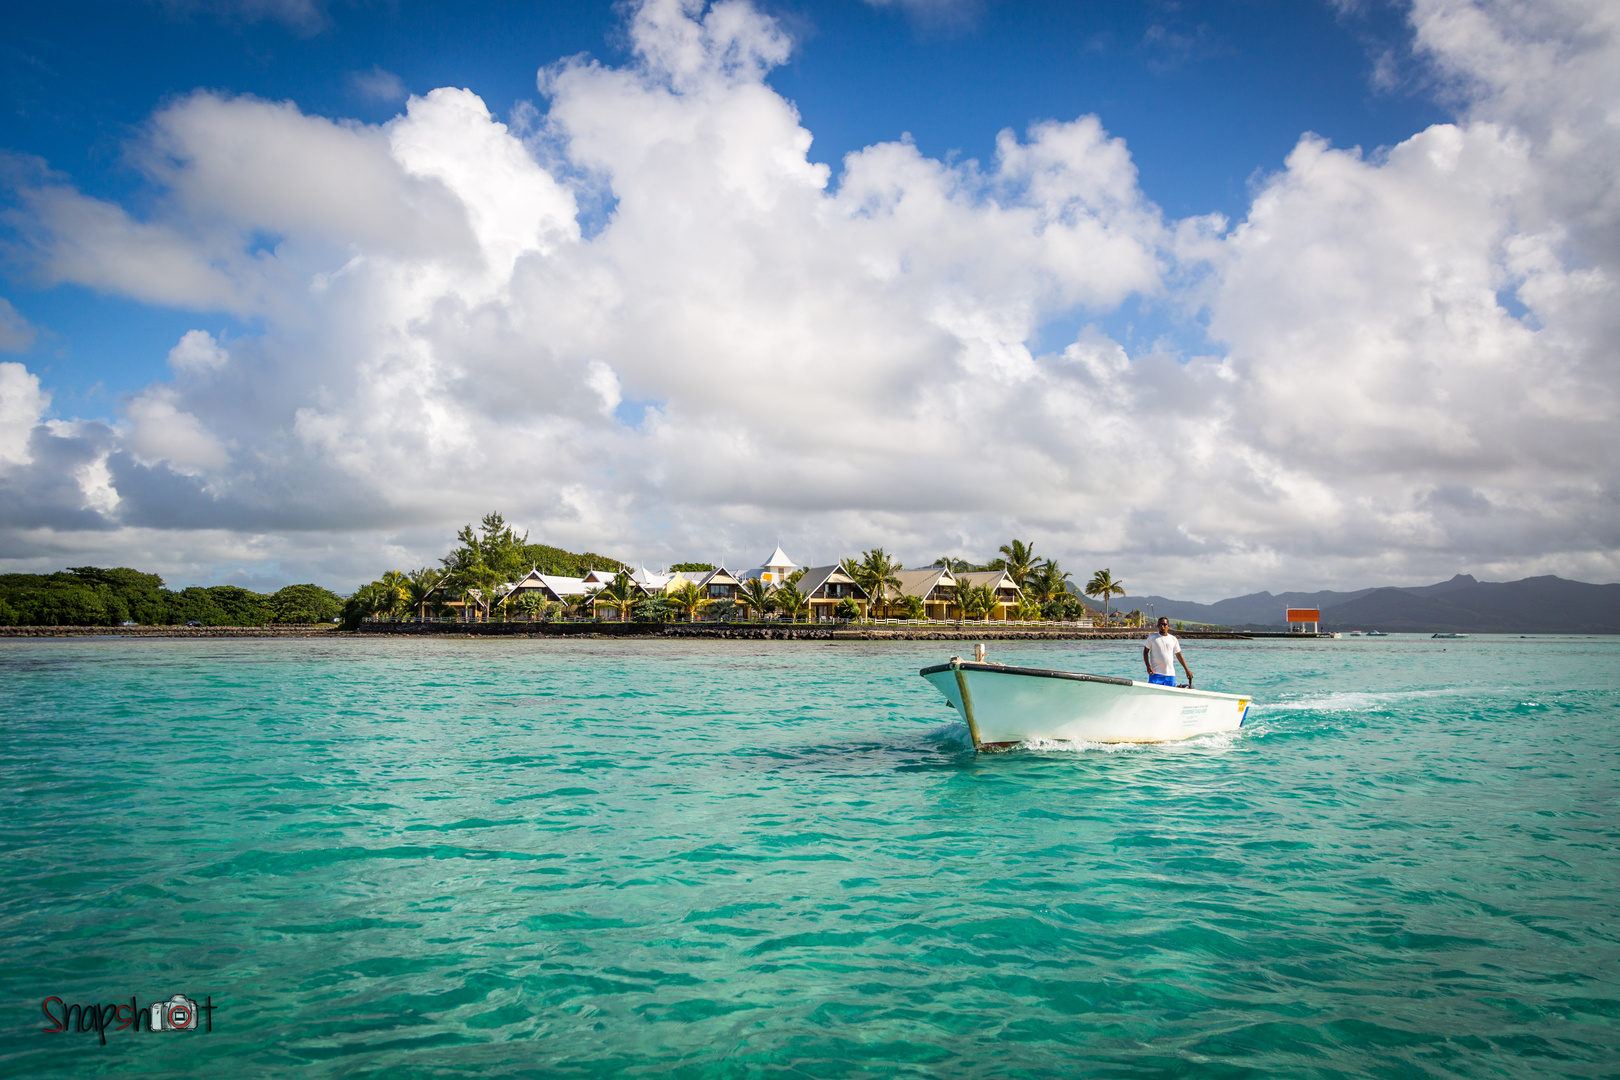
(1162, 650)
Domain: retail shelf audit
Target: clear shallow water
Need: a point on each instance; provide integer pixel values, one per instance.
(401, 858)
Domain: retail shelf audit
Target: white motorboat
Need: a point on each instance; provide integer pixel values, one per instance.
(1004, 705)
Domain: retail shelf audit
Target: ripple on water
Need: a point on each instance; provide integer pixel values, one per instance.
(698, 859)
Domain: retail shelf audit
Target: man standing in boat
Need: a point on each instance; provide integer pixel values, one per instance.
(1160, 655)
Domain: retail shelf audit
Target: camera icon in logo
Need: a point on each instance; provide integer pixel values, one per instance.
(179, 1013)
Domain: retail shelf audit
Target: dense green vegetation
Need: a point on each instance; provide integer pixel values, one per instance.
(93, 596)
(484, 557)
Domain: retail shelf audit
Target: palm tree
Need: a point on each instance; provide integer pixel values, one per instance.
(1048, 581)
(376, 600)
(1020, 560)
(756, 595)
(398, 581)
(912, 607)
(877, 574)
(476, 582)
(580, 606)
(532, 603)
(1102, 584)
(688, 598)
(619, 595)
(791, 601)
(977, 601)
(418, 584)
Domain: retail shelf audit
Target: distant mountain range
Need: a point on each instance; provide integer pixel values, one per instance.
(1538, 605)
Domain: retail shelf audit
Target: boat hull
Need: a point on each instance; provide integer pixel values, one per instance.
(1004, 705)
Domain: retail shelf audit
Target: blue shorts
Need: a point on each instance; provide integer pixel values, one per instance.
(1162, 680)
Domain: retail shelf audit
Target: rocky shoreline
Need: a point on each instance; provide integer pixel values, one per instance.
(716, 631)
(775, 631)
(294, 631)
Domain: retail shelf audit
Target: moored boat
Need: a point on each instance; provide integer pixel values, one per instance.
(1004, 705)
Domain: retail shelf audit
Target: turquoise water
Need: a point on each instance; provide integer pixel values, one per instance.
(487, 858)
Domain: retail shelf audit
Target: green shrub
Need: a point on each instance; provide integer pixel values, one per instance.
(305, 604)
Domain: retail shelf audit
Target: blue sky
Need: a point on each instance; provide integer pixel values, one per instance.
(1208, 96)
(1324, 296)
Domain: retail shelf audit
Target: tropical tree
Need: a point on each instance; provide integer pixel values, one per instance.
(398, 581)
(877, 574)
(476, 581)
(847, 608)
(688, 598)
(619, 595)
(1103, 585)
(1065, 605)
(1028, 607)
(581, 606)
(532, 603)
(416, 587)
(654, 609)
(952, 563)
(912, 607)
(977, 601)
(374, 601)
(1047, 582)
(791, 601)
(493, 544)
(755, 594)
(1018, 560)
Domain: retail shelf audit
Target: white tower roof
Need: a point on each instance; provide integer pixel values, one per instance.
(779, 558)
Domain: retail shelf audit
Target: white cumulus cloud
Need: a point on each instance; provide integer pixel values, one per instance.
(1407, 373)
(198, 352)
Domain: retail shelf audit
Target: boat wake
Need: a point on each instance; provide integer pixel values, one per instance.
(1359, 700)
(1218, 740)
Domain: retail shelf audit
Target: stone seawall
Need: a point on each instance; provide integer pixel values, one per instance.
(300, 631)
(773, 631)
(712, 631)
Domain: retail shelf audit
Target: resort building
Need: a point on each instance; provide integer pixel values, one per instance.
(828, 586)
(934, 586)
(777, 569)
(1007, 593)
(550, 586)
(464, 603)
(655, 584)
(937, 588)
(718, 584)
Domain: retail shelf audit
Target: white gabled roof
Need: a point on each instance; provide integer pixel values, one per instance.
(649, 580)
(564, 586)
(922, 583)
(779, 558)
(996, 579)
(817, 576)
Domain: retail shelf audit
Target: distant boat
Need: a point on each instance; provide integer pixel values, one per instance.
(1004, 705)
(1376, 633)
(1448, 635)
